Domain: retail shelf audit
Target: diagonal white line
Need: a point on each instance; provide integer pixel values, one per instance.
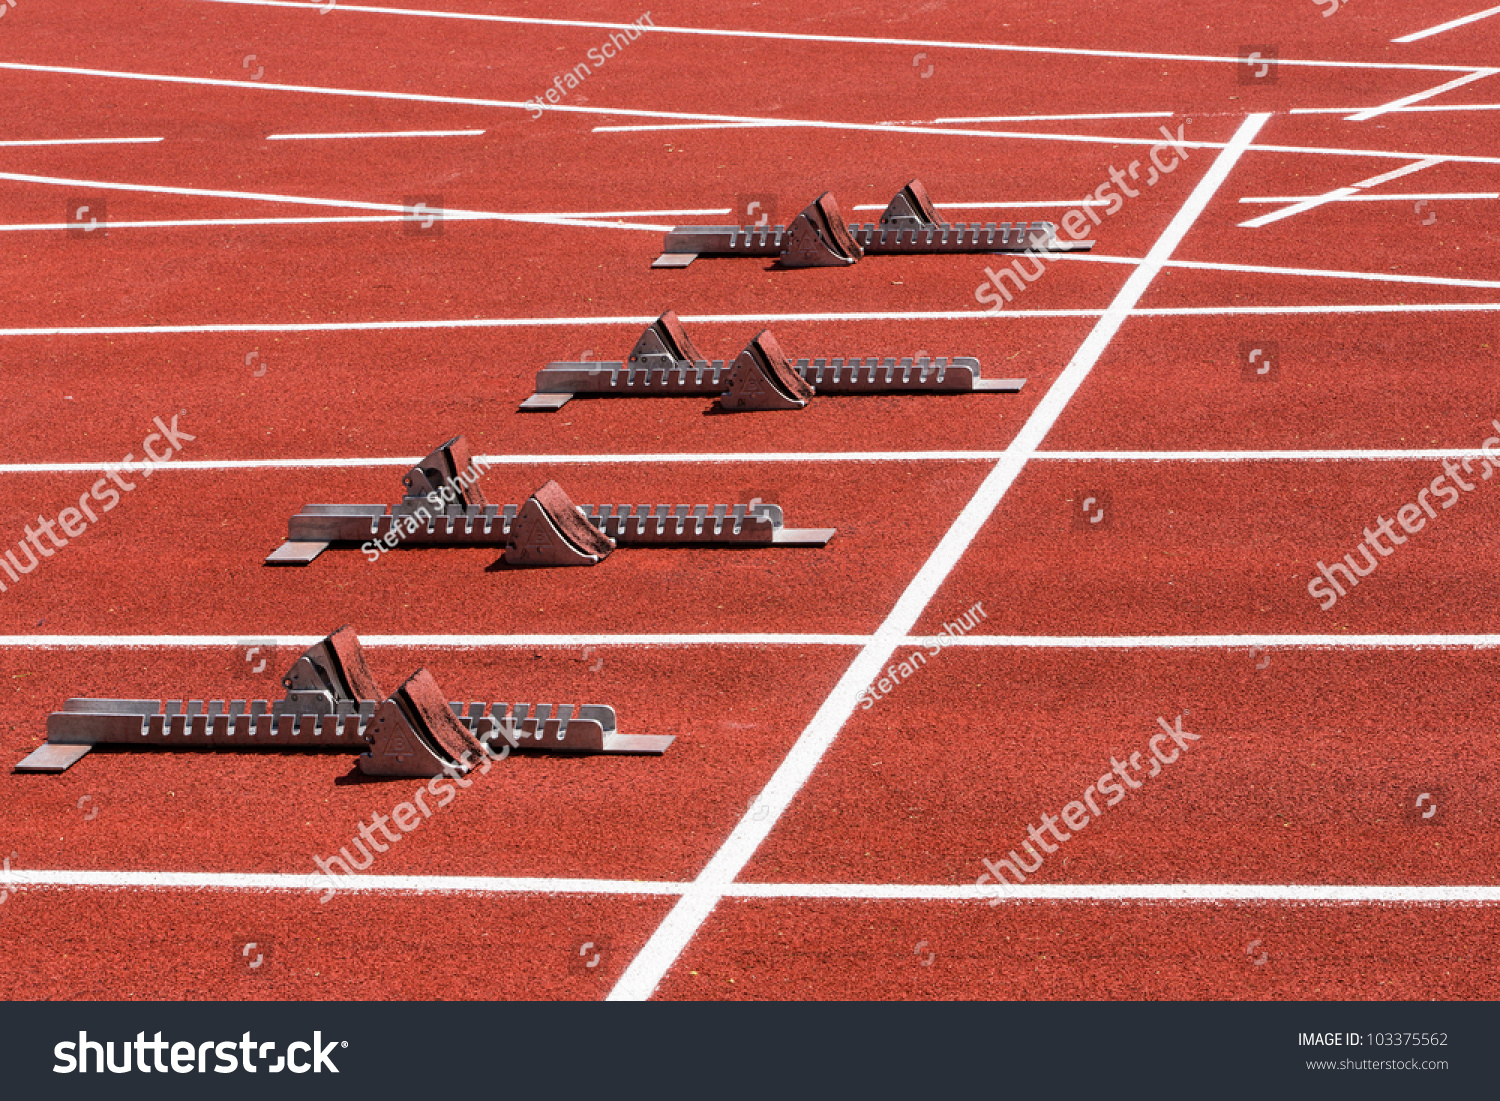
(1448, 26)
(1340, 193)
(304, 200)
(880, 127)
(1417, 97)
(830, 38)
(687, 916)
(1384, 197)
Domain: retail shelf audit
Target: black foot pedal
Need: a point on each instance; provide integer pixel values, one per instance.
(763, 379)
(551, 531)
(819, 238)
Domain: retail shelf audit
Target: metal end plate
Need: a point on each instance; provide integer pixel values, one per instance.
(53, 758)
(998, 385)
(295, 554)
(638, 744)
(803, 537)
(674, 259)
(545, 403)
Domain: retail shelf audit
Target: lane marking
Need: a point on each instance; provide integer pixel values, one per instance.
(1448, 26)
(1384, 197)
(83, 141)
(658, 955)
(1417, 97)
(1062, 118)
(998, 206)
(1355, 893)
(169, 642)
(744, 457)
(378, 134)
(737, 319)
(1399, 110)
(305, 200)
(830, 38)
(587, 216)
(1031, 135)
(1339, 193)
(573, 641)
(1264, 269)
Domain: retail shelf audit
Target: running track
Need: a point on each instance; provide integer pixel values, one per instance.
(257, 282)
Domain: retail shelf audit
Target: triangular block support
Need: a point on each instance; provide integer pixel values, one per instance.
(551, 531)
(820, 238)
(415, 733)
(912, 208)
(664, 344)
(762, 378)
(452, 465)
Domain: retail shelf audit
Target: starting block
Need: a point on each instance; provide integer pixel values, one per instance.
(664, 363)
(548, 530)
(818, 237)
(332, 703)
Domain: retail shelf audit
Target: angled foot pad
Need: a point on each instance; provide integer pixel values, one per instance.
(911, 209)
(450, 465)
(664, 344)
(763, 379)
(336, 666)
(550, 531)
(820, 238)
(415, 733)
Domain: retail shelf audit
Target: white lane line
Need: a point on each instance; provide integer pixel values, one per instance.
(1264, 269)
(1352, 894)
(645, 127)
(1213, 642)
(831, 38)
(1384, 197)
(378, 134)
(738, 319)
(1417, 97)
(570, 642)
(1024, 135)
(1061, 118)
(168, 642)
(1448, 26)
(392, 884)
(1399, 110)
(648, 968)
(305, 200)
(588, 217)
(1349, 894)
(82, 141)
(1342, 192)
(642, 128)
(998, 206)
(744, 457)
(1273, 456)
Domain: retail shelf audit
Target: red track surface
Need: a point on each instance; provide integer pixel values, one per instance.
(1308, 764)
